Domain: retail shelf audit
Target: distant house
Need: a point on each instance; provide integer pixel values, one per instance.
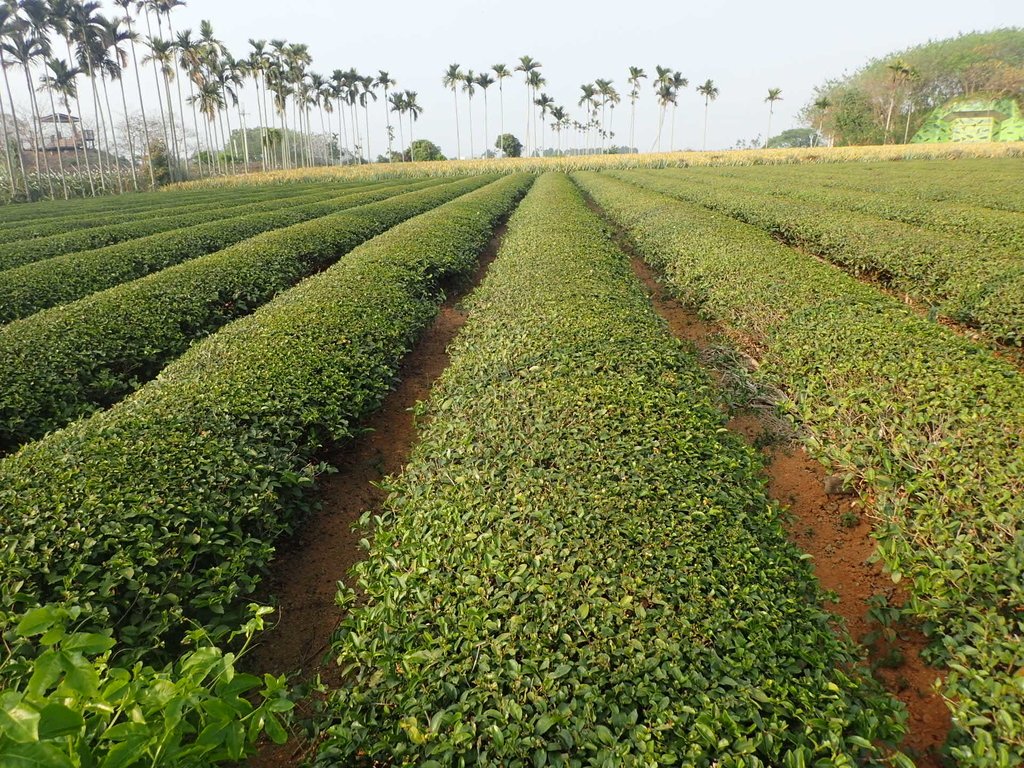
(63, 132)
(973, 119)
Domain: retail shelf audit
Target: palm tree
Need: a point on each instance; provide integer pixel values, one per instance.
(132, 37)
(64, 18)
(586, 101)
(62, 82)
(900, 73)
(414, 110)
(528, 65)
(560, 118)
(636, 74)
(113, 37)
(161, 53)
(545, 103)
(603, 90)
(170, 142)
(774, 94)
(62, 71)
(256, 68)
(338, 91)
(385, 81)
(911, 74)
(662, 85)
(397, 102)
(98, 58)
(37, 26)
(366, 93)
(469, 86)
(165, 7)
(25, 48)
(708, 90)
(451, 79)
(822, 104)
(485, 81)
(501, 72)
(536, 81)
(678, 83)
(8, 27)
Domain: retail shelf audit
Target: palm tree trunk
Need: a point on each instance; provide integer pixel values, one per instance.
(38, 130)
(387, 124)
(458, 138)
(366, 113)
(529, 102)
(231, 138)
(768, 136)
(170, 121)
(704, 145)
(632, 122)
(245, 137)
(60, 158)
(342, 128)
(142, 102)
(501, 100)
(159, 100)
(113, 133)
(888, 116)
(401, 135)
(181, 101)
(906, 131)
(128, 133)
(7, 148)
(485, 123)
(672, 133)
(17, 130)
(472, 153)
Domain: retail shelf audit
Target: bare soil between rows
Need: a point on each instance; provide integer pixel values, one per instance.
(833, 529)
(304, 575)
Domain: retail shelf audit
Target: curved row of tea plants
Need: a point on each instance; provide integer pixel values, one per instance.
(65, 362)
(974, 285)
(931, 423)
(974, 227)
(579, 566)
(167, 506)
(62, 279)
(44, 227)
(102, 234)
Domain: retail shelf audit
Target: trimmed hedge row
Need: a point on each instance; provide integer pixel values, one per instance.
(973, 285)
(931, 423)
(62, 279)
(63, 363)
(63, 225)
(164, 509)
(977, 229)
(91, 238)
(579, 565)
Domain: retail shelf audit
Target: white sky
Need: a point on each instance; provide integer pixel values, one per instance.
(745, 47)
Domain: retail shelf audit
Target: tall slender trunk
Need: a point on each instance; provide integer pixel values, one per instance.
(96, 111)
(458, 138)
(142, 103)
(768, 136)
(17, 130)
(85, 149)
(113, 133)
(366, 114)
(128, 133)
(195, 120)
(704, 144)
(485, 122)
(906, 131)
(231, 138)
(38, 142)
(401, 135)
(168, 149)
(263, 122)
(181, 101)
(411, 139)
(170, 121)
(501, 100)
(529, 102)
(7, 149)
(387, 125)
(342, 129)
(245, 137)
(672, 133)
(74, 142)
(472, 152)
(632, 122)
(60, 158)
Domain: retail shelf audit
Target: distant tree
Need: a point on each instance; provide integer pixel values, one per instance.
(822, 104)
(422, 149)
(453, 79)
(794, 137)
(509, 145)
(774, 94)
(708, 90)
(636, 74)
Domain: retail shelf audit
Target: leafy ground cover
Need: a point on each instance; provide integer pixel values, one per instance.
(579, 566)
(930, 424)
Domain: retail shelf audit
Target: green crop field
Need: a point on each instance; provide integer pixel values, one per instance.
(577, 560)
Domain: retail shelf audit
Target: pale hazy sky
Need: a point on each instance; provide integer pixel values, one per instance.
(745, 47)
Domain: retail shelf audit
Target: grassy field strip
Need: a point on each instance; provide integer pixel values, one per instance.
(21, 215)
(990, 184)
(966, 282)
(579, 565)
(62, 279)
(63, 225)
(973, 227)
(930, 423)
(117, 339)
(167, 505)
(92, 238)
